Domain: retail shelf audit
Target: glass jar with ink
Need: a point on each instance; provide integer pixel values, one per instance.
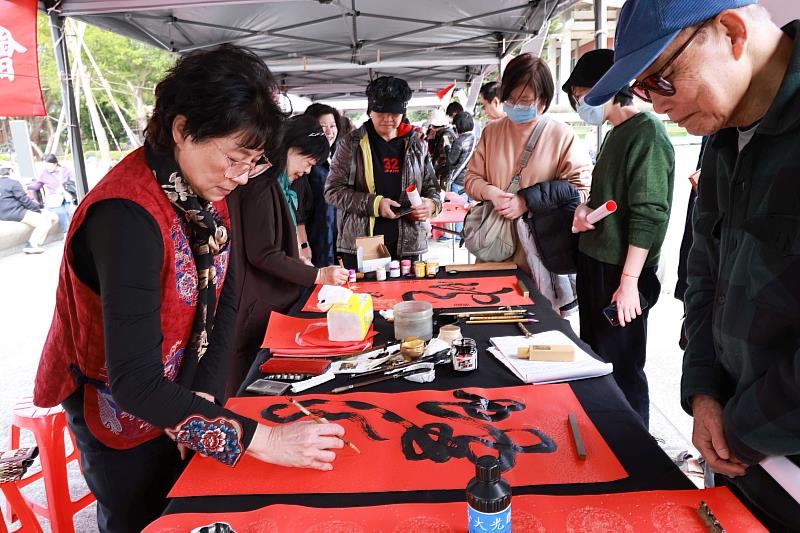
(465, 354)
(488, 498)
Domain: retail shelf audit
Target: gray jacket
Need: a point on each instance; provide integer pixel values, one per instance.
(356, 206)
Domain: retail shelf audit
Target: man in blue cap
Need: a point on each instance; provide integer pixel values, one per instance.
(722, 67)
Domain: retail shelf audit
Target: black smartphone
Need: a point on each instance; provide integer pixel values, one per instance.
(611, 314)
(402, 211)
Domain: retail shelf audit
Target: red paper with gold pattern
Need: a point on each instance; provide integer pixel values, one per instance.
(421, 440)
(442, 293)
(666, 511)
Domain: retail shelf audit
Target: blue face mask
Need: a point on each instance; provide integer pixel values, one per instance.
(591, 114)
(520, 114)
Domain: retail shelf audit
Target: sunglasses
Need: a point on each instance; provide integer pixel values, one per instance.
(657, 83)
(240, 169)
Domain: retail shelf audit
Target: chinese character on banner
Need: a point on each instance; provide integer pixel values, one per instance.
(20, 93)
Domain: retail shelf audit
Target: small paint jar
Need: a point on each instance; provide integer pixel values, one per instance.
(405, 267)
(394, 272)
(419, 269)
(432, 268)
(394, 264)
(465, 355)
(352, 276)
(380, 273)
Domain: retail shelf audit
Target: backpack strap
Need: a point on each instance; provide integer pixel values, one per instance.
(526, 153)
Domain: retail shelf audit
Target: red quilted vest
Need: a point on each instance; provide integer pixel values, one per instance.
(76, 339)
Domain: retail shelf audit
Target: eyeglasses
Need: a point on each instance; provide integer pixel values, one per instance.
(656, 83)
(520, 104)
(240, 169)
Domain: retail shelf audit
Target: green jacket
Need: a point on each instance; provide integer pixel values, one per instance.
(743, 301)
(635, 168)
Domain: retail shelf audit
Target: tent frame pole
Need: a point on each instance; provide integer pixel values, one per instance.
(68, 97)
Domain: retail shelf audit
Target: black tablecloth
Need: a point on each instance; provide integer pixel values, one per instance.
(649, 468)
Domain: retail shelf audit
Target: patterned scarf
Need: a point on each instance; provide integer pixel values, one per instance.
(208, 236)
(289, 195)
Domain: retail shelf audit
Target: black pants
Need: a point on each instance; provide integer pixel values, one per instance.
(765, 498)
(131, 485)
(625, 348)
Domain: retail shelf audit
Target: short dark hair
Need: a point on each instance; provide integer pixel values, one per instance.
(528, 70)
(303, 133)
(624, 98)
(463, 122)
(318, 110)
(490, 90)
(221, 91)
(50, 158)
(453, 109)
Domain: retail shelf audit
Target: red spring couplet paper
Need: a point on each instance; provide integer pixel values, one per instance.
(663, 511)
(442, 293)
(288, 335)
(421, 440)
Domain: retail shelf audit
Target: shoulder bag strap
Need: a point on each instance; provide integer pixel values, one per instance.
(526, 154)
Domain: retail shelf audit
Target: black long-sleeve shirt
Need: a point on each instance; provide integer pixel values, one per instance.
(118, 253)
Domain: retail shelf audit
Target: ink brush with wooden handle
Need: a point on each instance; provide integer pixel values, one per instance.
(318, 420)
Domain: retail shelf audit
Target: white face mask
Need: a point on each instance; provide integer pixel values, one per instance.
(591, 114)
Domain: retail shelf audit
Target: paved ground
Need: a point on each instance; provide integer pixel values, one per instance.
(28, 300)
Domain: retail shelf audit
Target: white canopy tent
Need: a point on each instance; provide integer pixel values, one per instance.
(323, 49)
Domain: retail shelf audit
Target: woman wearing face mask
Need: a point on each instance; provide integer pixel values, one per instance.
(373, 167)
(145, 306)
(272, 274)
(526, 92)
(618, 256)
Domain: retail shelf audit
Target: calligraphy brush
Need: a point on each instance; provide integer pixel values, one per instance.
(379, 379)
(377, 348)
(504, 321)
(435, 358)
(488, 313)
(318, 420)
(499, 317)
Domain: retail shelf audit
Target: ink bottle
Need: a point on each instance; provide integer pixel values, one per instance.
(488, 498)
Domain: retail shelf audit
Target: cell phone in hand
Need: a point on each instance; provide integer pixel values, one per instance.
(612, 315)
(401, 211)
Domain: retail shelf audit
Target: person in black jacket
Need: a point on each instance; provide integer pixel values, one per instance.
(17, 206)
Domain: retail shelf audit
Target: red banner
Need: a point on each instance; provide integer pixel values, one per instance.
(667, 511)
(441, 293)
(20, 92)
(420, 440)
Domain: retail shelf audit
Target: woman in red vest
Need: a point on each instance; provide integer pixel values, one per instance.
(146, 307)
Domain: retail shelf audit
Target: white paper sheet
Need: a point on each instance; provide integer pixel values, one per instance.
(584, 366)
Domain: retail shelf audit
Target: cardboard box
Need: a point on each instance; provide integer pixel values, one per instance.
(374, 254)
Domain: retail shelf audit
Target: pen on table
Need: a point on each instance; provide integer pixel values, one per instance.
(319, 420)
(576, 436)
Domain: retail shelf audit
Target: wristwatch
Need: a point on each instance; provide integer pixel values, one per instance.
(303, 245)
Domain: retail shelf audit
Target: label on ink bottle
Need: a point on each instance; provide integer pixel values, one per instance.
(492, 522)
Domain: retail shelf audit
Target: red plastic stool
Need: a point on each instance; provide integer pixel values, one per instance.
(27, 520)
(48, 427)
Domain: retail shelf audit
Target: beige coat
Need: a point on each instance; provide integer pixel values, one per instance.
(558, 154)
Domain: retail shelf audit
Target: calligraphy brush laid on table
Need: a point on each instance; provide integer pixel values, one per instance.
(385, 377)
(318, 420)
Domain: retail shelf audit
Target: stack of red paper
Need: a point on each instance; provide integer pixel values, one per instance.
(289, 336)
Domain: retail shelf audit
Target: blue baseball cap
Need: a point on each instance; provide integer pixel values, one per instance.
(644, 29)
